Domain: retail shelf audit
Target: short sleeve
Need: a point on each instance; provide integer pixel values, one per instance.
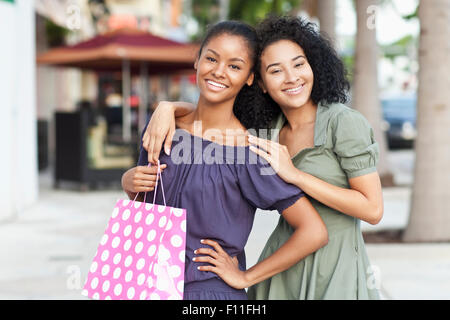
(354, 144)
(264, 189)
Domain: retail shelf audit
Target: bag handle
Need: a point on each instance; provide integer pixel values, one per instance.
(158, 172)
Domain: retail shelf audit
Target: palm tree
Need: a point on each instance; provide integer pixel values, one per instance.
(430, 207)
(365, 80)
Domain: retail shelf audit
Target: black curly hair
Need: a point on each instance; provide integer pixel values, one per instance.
(330, 82)
(251, 105)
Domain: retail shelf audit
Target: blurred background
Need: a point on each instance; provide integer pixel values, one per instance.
(80, 78)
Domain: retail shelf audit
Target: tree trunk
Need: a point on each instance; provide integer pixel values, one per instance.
(326, 12)
(365, 96)
(430, 208)
(224, 8)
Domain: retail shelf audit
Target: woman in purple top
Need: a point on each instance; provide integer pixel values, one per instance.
(214, 176)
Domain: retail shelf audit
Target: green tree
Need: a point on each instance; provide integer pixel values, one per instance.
(207, 12)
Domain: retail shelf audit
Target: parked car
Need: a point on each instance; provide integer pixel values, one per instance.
(399, 115)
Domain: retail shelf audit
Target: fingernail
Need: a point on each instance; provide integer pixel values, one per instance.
(195, 251)
(167, 151)
(198, 268)
(202, 240)
(193, 259)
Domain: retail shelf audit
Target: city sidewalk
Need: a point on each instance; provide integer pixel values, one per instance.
(46, 251)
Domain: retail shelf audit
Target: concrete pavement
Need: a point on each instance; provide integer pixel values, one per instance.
(47, 250)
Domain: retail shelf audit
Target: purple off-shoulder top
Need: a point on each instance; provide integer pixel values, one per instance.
(220, 187)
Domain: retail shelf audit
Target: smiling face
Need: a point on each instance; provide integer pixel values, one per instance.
(223, 68)
(286, 74)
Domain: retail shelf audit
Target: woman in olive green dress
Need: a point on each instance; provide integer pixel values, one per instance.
(326, 149)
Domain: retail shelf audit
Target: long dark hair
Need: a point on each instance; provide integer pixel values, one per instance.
(250, 106)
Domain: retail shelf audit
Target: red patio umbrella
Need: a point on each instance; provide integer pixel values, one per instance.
(129, 51)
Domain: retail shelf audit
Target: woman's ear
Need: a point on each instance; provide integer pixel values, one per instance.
(250, 79)
(196, 63)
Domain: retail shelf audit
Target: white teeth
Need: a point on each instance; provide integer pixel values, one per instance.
(215, 84)
(294, 89)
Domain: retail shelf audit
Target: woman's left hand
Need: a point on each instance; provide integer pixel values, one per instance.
(222, 264)
(277, 155)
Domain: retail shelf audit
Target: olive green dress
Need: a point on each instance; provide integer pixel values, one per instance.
(344, 147)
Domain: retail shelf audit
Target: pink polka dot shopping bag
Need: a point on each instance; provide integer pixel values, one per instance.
(141, 254)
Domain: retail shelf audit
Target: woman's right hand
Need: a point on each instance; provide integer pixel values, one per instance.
(161, 126)
(141, 179)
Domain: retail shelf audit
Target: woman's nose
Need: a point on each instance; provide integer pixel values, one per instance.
(291, 76)
(219, 70)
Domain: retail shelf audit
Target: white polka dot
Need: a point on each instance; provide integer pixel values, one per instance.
(141, 279)
(127, 230)
(117, 273)
(162, 221)
(115, 227)
(180, 285)
(150, 282)
(127, 245)
(143, 295)
(151, 235)
(130, 293)
(108, 298)
(151, 250)
(176, 241)
(161, 208)
(182, 255)
(105, 255)
(138, 217)
(169, 225)
(94, 283)
(163, 253)
(104, 239)
(148, 206)
(115, 243)
(117, 258)
(149, 219)
(118, 289)
(137, 204)
(139, 247)
(183, 225)
(96, 296)
(128, 261)
(125, 202)
(155, 269)
(105, 270)
(129, 276)
(174, 271)
(115, 213)
(105, 286)
(94, 267)
(126, 214)
(177, 212)
(154, 296)
(162, 284)
(138, 233)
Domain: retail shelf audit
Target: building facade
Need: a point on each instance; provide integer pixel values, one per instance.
(18, 142)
